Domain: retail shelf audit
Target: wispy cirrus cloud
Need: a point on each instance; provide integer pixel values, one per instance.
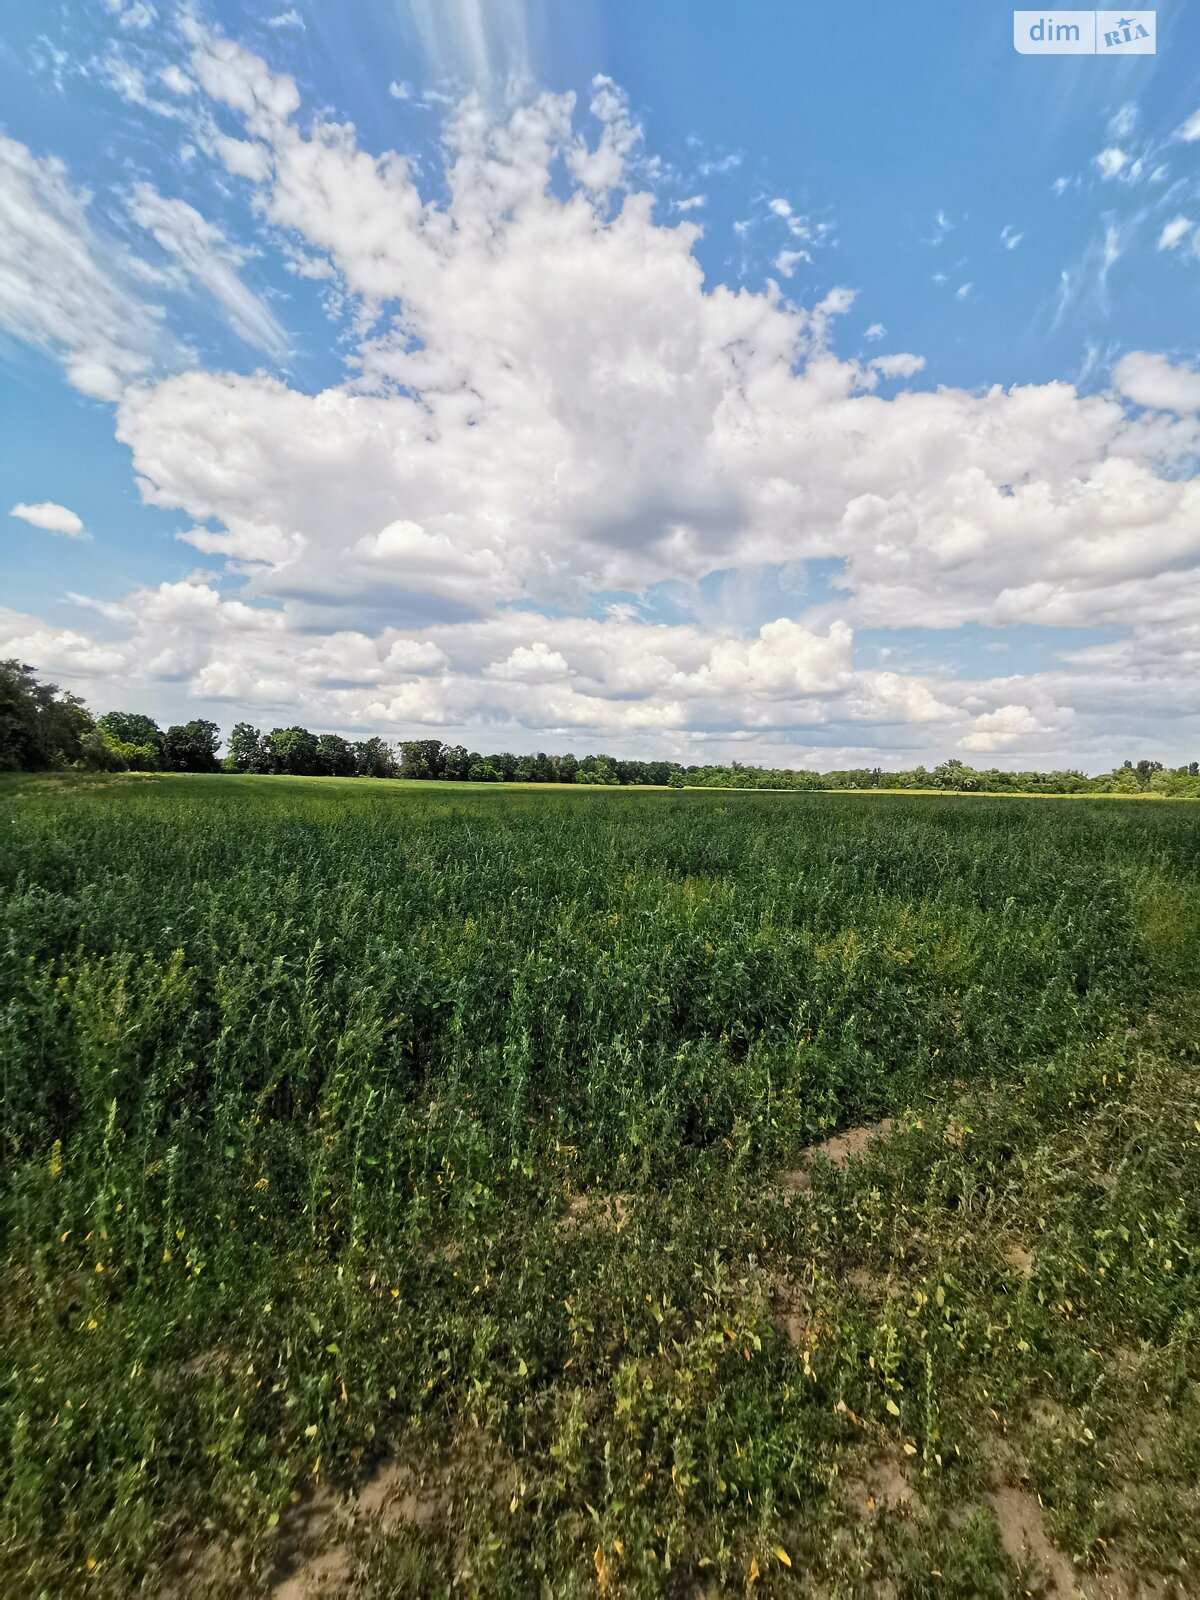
(65, 287)
(206, 258)
(1173, 232)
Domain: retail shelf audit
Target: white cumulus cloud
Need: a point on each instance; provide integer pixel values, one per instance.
(997, 730)
(53, 518)
(551, 418)
(1152, 380)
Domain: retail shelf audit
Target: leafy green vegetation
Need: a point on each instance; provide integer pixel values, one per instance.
(416, 1190)
(43, 730)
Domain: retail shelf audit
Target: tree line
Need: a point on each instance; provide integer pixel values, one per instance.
(42, 728)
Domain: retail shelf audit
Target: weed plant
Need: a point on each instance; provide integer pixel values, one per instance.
(352, 1128)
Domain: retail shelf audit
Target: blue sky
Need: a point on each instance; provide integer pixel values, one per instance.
(806, 384)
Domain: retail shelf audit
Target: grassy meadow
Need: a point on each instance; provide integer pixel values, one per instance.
(417, 1190)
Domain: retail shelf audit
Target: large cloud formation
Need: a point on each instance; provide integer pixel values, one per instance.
(548, 404)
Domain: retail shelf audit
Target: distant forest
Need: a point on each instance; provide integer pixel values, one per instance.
(43, 729)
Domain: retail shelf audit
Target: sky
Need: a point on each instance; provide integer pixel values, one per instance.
(811, 386)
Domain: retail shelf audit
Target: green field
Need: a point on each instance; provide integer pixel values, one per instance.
(410, 1191)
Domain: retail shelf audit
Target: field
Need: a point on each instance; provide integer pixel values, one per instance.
(408, 1191)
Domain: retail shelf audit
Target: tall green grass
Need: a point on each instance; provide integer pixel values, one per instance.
(287, 1070)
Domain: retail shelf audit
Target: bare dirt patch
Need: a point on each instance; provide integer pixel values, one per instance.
(396, 1494)
(212, 1363)
(1049, 1415)
(329, 1569)
(1124, 1583)
(595, 1210)
(1022, 1524)
(875, 1285)
(314, 1547)
(877, 1482)
(840, 1149)
(791, 1315)
(327, 1534)
(196, 1568)
(1019, 1259)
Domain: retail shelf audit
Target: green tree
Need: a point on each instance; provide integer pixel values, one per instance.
(104, 752)
(421, 758)
(456, 762)
(191, 746)
(246, 753)
(373, 758)
(132, 728)
(955, 774)
(597, 769)
(39, 727)
(100, 752)
(335, 756)
(292, 751)
(68, 721)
